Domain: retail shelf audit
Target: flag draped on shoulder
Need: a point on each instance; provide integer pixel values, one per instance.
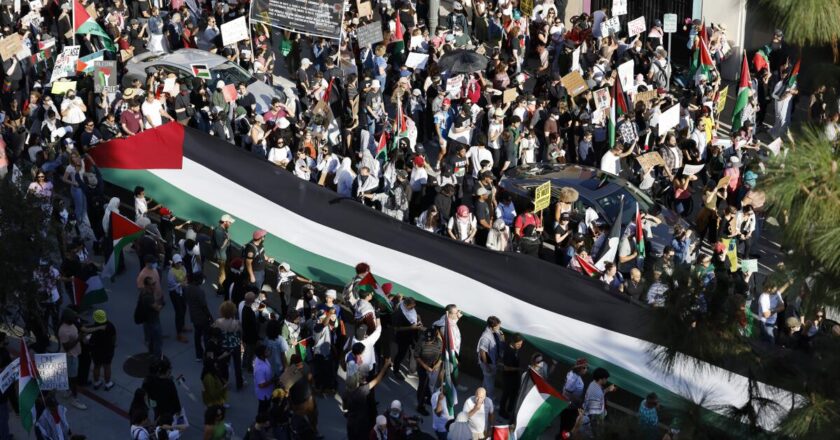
(88, 291)
(369, 284)
(123, 233)
(743, 95)
(85, 25)
(28, 388)
(610, 249)
(541, 405)
(618, 108)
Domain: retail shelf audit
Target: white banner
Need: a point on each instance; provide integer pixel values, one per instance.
(52, 369)
(65, 64)
(234, 31)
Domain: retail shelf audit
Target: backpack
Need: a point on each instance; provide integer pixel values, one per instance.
(141, 314)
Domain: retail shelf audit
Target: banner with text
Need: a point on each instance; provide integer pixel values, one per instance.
(320, 18)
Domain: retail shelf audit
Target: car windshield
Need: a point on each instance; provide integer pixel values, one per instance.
(611, 202)
(231, 73)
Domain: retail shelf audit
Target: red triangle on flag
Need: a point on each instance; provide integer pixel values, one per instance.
(81, 66)
(542, 386)
(398, 32)
(122, 227)
(80, 15)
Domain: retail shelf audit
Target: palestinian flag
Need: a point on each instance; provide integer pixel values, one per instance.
(618, 108)
(369, 284)
(86, 63)
(743, 95)
(399, 38)
(123, 232)
(640, 232)
(382, 147)
(300, 348)
(83, 24)
(90, 291)
(587, 267)
(793, 76)
(701, 59)
(450, 367)
(761, 59)
(400, 125)
(161, 148)
(610, 249)
(28, 389)
(501, 432)
(539, 408)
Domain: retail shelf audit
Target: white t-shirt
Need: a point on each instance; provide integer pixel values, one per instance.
(611, 163)
(151, 114)
(75, 115)
(280, 154)
(476, 155)
(478, 421)
(769, 302)
(439, 421)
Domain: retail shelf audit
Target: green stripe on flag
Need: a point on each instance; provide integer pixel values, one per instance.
(549, 410)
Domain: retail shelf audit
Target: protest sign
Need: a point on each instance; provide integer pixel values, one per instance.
(234, 31)
(369, 34)
(170, 86)
(9, 375)
(52, 368)
(24, 52)
(775, 147)
(602, 98)
(364, 8)
(576, 61)
(611, 25)
(61, 87)
(625, 74)
(322, 18)
(229, 92)
(750, 266)
(574, 83)
(646, 96)
(636, 27)
(619, 7)
(105, 76)
(627, 130)
(454, 85)
(542, 196)
(690, 170)
(509, 95)
(723, 182)
(669, 23)
(669, 119)
(416, 60)
(65, 64)
(721, 101)
(416, 42)
(649, 160)
(201, 71)
(527, 7)
(9, 46)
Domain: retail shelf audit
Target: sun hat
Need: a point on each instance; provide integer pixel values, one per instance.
(259, 233)
(100, 317)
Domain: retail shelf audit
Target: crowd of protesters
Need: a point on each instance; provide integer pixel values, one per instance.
(404, 141)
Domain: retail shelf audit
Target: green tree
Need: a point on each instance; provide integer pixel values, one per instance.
(807, 22)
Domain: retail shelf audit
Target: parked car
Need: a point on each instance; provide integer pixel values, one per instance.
(602, 191)
(180, 61)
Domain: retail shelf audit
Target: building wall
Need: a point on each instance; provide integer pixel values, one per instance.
(733, 14)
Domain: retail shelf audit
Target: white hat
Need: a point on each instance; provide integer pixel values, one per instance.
(375, 83)
(283, 123)
(330, 293)
(735, 161)
(416, 92)
(396, 404)
(305, 62)
(177, 259)
(226, 218)
(457, 5)
(482, 191)
(285, 266)
(381, 420)
(220, 84)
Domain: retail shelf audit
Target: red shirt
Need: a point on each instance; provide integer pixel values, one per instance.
(524, 220)
(132, 121)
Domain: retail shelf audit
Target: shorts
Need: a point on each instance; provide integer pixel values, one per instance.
(72, 366)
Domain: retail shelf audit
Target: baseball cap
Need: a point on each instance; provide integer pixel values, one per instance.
(447, 101)
(100, 317)
(482, 192)
(259, 233)
(177, 259)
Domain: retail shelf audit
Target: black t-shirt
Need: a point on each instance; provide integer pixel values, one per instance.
(510, 358)
(257, 254)
(164, 393)
(482, 212)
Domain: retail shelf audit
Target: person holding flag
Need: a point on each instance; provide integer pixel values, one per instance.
(783, 92)
(744, 89)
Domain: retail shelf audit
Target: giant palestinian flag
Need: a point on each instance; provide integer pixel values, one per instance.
(541, 405)
(564, 314)
(85, 25)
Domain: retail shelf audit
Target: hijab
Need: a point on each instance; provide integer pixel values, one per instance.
(344, 178)
(113, 206)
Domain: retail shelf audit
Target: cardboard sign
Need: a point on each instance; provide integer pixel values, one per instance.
(669, 119)
(619, 7)
(613, 25)
(669, 23)
(646, 96)
(527, 7)
(65, 64)
(649, 160)
(509, 95)
(234, 31)
(201, 71)
(602, 98)
(690, 170)
(723, 182)
(574, 83)
(416, 61)
(61, 87)
(369, 34)
(721, 101)
(636, 27)
(105, 76)
(454, 86)
(542, 196)
(364, 9)
(229, 92)
(625, 75)
(10, 46)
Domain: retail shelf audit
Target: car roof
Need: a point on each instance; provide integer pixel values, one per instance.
(185, 57)
(591, 183)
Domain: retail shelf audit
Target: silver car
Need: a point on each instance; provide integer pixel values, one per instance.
(179, 62)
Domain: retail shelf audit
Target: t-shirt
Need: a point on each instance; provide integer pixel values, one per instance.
(262, 374)
(132, 121)
(489, 342)
(476, 155)
(769, 302)
(439, 421)
(611, 163)
(482, 212)
(67, 333)
(151, 113)
(478, 421)
(257, 254)
(593, 402)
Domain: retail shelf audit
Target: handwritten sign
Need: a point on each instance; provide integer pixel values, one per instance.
(65, 64)
(619, 7)
(105, 76)
(364, 9)
(669, 23)
(613, 25)
(636, 27)
(574, 83)
(646, 96)
(229, 92)
(234, 31)
(542, 196)
(669, 119)
(369, 34)
(625, 75)
(62, 87)
(649, 160)
(690, 170)
(721, 101)
(416, 60)
(10, 46)
(52, 368)
(454, 85)
(750, 266)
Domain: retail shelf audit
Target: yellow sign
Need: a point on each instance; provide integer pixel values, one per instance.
(542, 196)
(721, 101)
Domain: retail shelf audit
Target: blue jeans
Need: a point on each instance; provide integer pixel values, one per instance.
(767, 333)
(79, 204)
(154, 338)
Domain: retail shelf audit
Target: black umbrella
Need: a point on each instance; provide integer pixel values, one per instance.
(462, 61)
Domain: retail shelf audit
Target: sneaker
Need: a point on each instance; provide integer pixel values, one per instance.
(97, 384)
(77, 404)
(109, 385)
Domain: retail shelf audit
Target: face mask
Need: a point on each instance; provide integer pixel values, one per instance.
(154, 266)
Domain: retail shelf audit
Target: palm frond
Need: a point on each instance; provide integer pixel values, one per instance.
(806, 22)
